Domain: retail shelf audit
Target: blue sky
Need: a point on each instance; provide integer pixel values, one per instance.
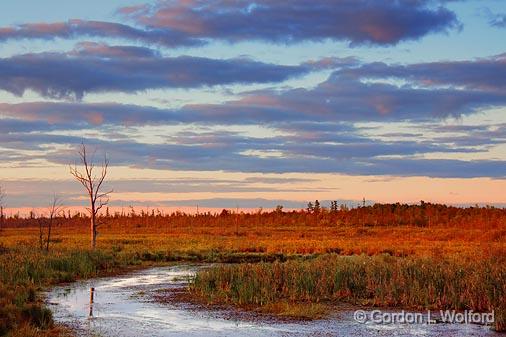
(259, 102)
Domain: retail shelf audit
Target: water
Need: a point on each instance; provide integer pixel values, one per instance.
(124, 306)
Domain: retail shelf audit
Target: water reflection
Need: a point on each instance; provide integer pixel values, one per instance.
(92, 295)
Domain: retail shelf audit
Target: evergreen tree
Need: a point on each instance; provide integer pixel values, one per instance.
(316, 208)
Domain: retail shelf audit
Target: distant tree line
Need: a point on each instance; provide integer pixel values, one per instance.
(423, 214)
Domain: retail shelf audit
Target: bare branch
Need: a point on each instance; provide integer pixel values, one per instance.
(54, 209)
(56, 206)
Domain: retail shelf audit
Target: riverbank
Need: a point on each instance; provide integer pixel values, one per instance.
(26, 271)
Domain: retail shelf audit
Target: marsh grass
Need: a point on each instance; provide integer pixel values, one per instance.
(295, 310)
(270, 238)
(409, 282)
(25, 271)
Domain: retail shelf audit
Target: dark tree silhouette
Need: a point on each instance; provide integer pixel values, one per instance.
(316, 207)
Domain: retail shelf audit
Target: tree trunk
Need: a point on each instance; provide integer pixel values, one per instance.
(93, 227)
(50, 224)
(93, 235)
(41, 233)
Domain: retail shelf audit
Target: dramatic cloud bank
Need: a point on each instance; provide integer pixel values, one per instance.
(101, 68)
(315, 128)
(197, 22)
(356, 21)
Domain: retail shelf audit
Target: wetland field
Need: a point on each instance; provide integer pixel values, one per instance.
(260, 273)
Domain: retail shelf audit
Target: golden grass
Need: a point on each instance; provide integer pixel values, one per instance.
(410, 282)
(169, 235)
(400, 231)
(302, 311)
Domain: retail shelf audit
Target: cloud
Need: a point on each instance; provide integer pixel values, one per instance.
(480, 74)
(314, 129)
(219, 150)
(341, 98)
(101, 68)
(8, 125)
(432, 91)
(94, 49)
(498, 20)
(72, 115)
(41, 190)
(76, 28)
(357, 21)
(72, 192)
(232, 203)
(441, 168)
(470, 135)
(197, 22)
(325, 138)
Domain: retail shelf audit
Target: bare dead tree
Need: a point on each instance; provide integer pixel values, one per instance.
(41, 221)
(93, 184)
(2, 197)
(54, 209)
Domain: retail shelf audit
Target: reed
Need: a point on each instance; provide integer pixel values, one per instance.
(410, 282)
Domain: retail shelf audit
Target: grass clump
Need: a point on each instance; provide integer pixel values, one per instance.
(303, 311)
(409, 282)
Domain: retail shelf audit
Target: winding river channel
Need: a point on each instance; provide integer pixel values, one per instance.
(124, 306)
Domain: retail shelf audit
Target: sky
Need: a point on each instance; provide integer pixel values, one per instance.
(228, 103)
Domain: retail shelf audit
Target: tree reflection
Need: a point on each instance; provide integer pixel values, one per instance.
(92, 295)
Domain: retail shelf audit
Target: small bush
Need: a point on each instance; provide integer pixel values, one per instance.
(38, 316)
